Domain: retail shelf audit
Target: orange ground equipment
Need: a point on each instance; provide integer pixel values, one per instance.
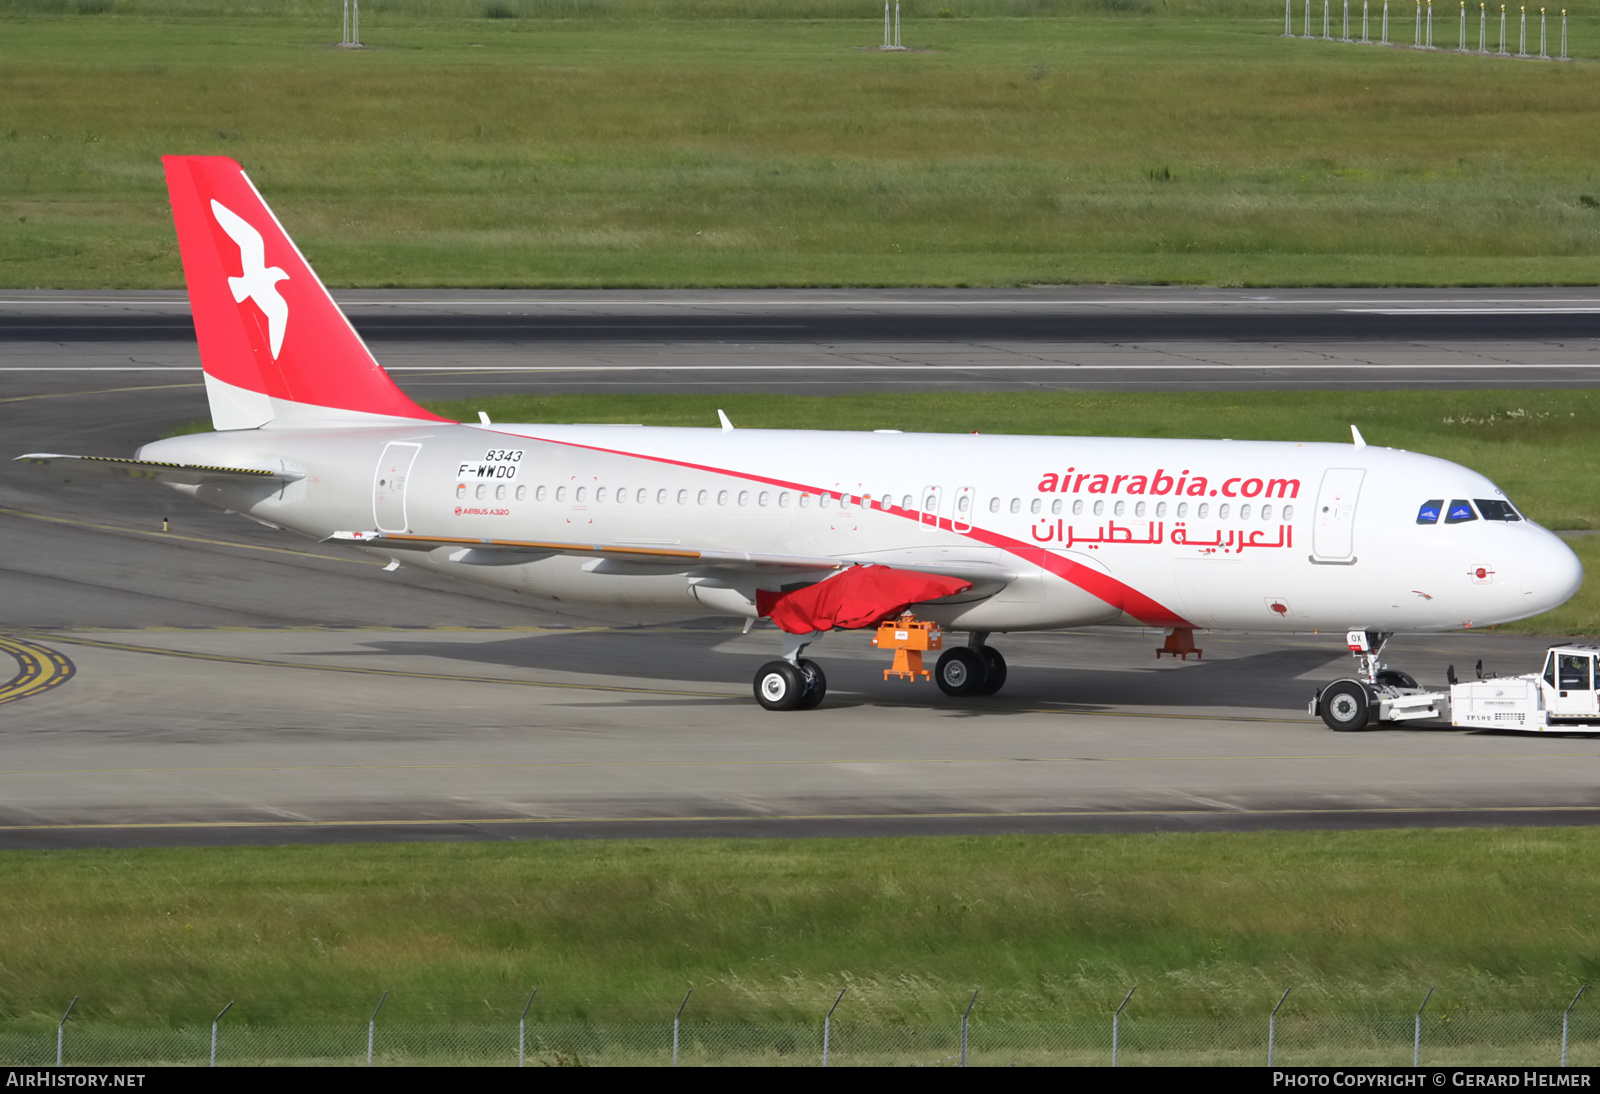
(908, 637)
(1180, 643)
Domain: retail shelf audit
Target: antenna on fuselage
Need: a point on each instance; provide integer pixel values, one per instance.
(1356, 438)
(727, 426)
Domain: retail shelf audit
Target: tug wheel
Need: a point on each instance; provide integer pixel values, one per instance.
(1394, 678)
(816, 684)
(994, 677)
(1346, 706)
(780, 686)
(960, 672)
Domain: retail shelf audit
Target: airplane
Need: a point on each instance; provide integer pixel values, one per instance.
(816, 531)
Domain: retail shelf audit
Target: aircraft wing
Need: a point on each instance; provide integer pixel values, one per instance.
(181, 473)
(658, 559)
(624, 558)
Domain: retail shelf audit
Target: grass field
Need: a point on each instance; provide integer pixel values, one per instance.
(710, 143)
(769, 930)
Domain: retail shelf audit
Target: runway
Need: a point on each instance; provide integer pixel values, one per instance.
(220, 682)
(822, 341)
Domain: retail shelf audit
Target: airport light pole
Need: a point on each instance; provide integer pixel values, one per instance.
(352, 24)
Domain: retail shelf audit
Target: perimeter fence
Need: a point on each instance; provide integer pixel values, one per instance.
(1541, 1039)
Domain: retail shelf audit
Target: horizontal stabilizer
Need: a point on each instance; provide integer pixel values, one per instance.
(669, 559)
(181, 473)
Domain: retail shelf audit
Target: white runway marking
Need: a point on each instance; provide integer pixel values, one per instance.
(1536, 309)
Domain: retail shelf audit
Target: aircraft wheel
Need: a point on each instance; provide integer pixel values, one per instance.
(1394, 678)
(994, 676)
(1346, 706)
(780, 686)
(816, 684)
(960, 672)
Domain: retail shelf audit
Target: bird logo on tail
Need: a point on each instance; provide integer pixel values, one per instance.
(257, 280)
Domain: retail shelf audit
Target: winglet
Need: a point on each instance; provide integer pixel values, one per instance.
(1356, 438)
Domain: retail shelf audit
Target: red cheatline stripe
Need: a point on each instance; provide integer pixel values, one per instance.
(1125, 597)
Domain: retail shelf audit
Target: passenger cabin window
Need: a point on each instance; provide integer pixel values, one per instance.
(1429, 513)
(1460, 512)
(1573, 672)
(1493, 509)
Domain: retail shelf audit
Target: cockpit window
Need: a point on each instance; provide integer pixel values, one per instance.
(1493, 509)
(1460, 512)
(1429, 513)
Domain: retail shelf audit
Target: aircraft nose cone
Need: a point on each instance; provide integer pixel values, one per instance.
(1552, 574)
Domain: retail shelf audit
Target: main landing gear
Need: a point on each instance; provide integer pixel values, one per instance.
(795, 682)
(798, 683)
(973, 669)
(786, 685)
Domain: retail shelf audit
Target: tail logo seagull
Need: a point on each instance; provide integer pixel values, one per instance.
(257, 280)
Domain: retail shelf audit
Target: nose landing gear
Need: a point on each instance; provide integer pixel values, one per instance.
(1377, 693)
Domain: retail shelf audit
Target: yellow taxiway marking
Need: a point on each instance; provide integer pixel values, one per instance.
(359, 670)
(39, 669)
(97, 391)
(439, 822)
(264, 662)
(127, 530)
(834, 761)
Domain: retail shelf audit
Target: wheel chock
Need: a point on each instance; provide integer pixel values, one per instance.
(909, 638)
(1180, 643)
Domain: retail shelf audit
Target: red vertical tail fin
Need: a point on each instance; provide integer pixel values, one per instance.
(275, 347)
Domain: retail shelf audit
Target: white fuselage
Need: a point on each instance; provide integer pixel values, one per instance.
(1252, 535)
